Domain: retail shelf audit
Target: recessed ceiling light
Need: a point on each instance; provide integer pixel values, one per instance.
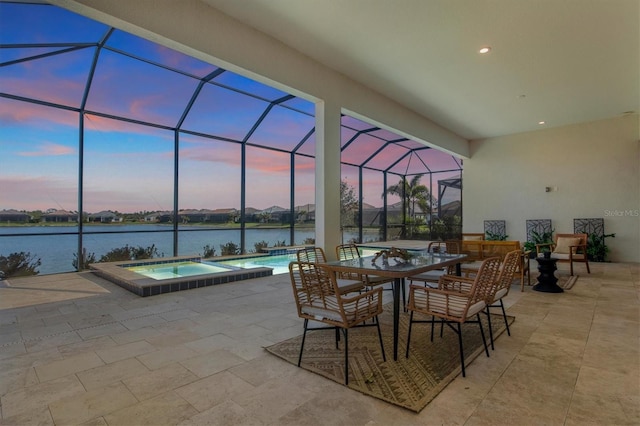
(485, 49)
(541, 122)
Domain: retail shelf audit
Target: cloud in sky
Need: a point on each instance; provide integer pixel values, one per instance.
(47, 149)
(38, 193)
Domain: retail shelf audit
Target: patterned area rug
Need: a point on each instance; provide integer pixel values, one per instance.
(567, 281)
(408, 382)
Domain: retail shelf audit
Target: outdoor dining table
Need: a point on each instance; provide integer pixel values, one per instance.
(399, 271)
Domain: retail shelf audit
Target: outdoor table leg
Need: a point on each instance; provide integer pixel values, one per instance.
(397, 282)
(458, 269)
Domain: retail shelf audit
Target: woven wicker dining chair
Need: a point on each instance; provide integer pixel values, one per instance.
(452, 305)
(431, 278)
(346, 284)
(350, 251)
(510, 265)
(318, 298)
(494, 294)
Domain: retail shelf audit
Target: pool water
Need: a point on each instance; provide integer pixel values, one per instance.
(190, 268)
(279, 263)
(164, 271)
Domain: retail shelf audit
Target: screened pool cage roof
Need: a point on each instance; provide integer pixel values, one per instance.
(53, 57)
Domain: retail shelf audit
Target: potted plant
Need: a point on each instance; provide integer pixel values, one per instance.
(538, 238)
(491, 236)
(596, 248)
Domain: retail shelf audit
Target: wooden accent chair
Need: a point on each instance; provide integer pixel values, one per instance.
(318, 298)
(472, 236)
(317, 255)
(350, 251)
(567, 248)
(431, 278)
(451, 304)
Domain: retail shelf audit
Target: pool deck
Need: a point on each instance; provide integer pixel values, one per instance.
(79, 350)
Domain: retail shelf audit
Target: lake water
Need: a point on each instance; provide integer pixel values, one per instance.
(57, 251)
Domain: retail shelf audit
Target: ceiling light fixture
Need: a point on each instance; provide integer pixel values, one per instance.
(484, 50)
(541, 122)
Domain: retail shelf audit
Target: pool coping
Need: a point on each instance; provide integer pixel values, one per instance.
(145, 286)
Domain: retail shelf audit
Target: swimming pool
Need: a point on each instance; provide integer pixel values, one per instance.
(279, 262)
(189, 268)
(165, 275)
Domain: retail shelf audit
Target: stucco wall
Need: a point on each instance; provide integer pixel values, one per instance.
(595, 167)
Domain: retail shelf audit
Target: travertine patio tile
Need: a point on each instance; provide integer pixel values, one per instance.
(274, 399)
(44, 331)
(156, 382)
(572, 359)
(98, 421)
(250, 348)
(91, 345)
(211, 363)
(166, 355)
(13, 336)
(128, 350)
(166, 409)
(40, 416)
(146, 321)
(101, 330)
(12, 350)
(226, 413)
(211, 343)
(71, 365)
(213, 390)
(136, 335)
(95, 403)
(54, 341)
(605, 397)
(34, 398)
(110, 373)
(178, 314)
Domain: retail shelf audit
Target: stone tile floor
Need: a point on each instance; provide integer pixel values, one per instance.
(75, 349)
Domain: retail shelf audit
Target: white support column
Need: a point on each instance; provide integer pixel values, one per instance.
(328, 234)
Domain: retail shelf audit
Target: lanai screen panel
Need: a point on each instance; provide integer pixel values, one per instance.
(209, 175)
(390, 154)
(246, 85)
(130, 88)
(282, 128)
(127, 167)
(440, 161)
(39, 157)
(360, 149)
(37, 23)
(158, 54)
(224, 113)
(59, 79)
(268, 173)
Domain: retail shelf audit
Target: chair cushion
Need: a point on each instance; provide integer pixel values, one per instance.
(500, 293)
(321, 313)
(475, 308)
(377, 280)
(432, 276)
(562, 256)
(347, 286)
(563, 245)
